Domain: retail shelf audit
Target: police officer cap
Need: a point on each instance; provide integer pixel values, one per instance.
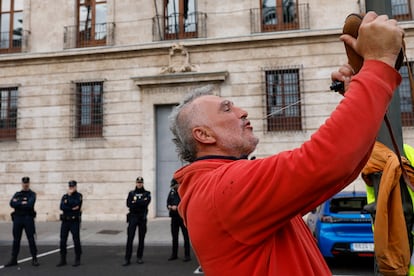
(140, 179)
(26, 179)
(173, 182)
(72, 183)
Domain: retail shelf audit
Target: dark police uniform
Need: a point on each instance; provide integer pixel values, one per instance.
(23, 218)
(137, 202)
(71, 219)
(177, 223)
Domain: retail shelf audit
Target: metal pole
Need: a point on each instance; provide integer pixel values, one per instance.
(394, 110)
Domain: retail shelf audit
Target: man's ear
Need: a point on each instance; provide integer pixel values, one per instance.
(203, 135)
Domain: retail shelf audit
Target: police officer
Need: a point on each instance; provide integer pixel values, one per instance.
(71, 205)
(176, 223)
(23, 218)
(137, 202)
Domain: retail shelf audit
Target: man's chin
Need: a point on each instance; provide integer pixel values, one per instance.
(253, 146)
(255, 142)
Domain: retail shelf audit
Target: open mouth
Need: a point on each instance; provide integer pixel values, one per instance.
(248, 125)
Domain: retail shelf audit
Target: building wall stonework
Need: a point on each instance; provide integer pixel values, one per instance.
(45, 148)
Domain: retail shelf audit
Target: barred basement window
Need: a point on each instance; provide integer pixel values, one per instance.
(8, 113)
(283, 100)
(89, 109)
(406, 100)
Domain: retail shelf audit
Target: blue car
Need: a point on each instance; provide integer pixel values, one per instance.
(341, 226)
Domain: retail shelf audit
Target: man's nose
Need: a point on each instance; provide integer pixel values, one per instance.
(242, 113)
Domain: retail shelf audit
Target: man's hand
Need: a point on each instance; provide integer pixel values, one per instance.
(379, 38)
(344, 74)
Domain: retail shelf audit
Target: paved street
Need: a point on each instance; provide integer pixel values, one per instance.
(104, 248)
(352, 266)
(99, 260)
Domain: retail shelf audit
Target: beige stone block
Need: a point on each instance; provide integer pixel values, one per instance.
(323, 15)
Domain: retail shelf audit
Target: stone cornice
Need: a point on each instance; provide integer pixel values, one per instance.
(177, 78)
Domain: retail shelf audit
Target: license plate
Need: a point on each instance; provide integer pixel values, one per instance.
(362, 247)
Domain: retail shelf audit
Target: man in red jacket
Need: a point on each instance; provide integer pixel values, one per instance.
(244, 216)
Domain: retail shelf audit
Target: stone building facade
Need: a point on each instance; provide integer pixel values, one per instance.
(86, 87)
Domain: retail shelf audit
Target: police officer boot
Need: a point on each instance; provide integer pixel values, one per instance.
(62, 261)
(34, 261)
(12, 262)
(173, 257)
(77, 261)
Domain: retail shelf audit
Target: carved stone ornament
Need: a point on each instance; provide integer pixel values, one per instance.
(179, 60)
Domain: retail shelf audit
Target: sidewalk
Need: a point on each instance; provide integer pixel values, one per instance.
(93, 233)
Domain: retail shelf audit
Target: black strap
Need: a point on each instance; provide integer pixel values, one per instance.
(397, 152)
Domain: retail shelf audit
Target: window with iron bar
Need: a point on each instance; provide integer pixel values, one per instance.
(278, 15)
(401, 10)
(92, 25)
(89, 109)
(11, 26)
(283, 107)
(180, 18)
(8, 113)
(406, 99)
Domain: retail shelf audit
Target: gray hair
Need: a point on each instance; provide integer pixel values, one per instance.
(181, 125)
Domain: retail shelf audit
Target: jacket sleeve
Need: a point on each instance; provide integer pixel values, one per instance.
(267, 193)
(80, 200)
(31, 201)
(15, 201)
(129, 200)
(149, 198)
(77, 201)
(64, 203)
(169, 199)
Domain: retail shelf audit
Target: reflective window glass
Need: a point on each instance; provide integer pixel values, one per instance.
(18, 5)
(100, 13)
(5, 5)
(5, 23)
(18, 25)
